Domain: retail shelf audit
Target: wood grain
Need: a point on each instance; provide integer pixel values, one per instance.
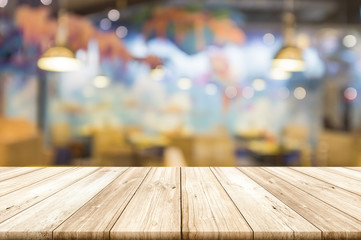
(17, 201)
(39, 221)
(6, 169)
(207, 211)
(11, 172)
(154, 212)
(268, 216)
(345, 172)
(180, 203)
(29, 178)
(95, 219)
(321, 173)
(337, 197)
(333, 223)
(354, 168)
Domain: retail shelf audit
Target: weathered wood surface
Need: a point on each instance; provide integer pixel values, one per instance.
(180, 203)
(207, 211)
(334, 223)
(155, 210)
(269, 217)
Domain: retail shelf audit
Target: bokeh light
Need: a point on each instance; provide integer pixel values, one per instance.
(299, 93)
(269, 39)
(121, 32)
(349, 41)
(184, 83)
(259, 84)
(105, 24)
(350, 93)
(46, 2)
(3, 3)
(101, 81)
(231, 91)
(113, 15)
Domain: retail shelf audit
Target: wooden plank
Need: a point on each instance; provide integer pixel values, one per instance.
(268, 217)
(39, 221)
(333, 223)
(6, 169)
(11, 172)
(207, 210)
(17, 201)
(345, 172)
(354, 168)
(95, 219)
(15, 183)
(154, 212)
(321, 173)
(337, 197)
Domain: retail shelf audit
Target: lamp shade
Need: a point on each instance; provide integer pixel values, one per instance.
(289, 59)
(59, 59)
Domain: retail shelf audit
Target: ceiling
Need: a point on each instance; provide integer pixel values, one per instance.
(307, 11)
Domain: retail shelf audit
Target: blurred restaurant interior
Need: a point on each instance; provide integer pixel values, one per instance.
(180, 82)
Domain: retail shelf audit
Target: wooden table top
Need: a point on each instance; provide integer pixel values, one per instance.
(180, 203)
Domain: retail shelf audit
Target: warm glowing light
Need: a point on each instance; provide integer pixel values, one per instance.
(105, 24)
(259, 84)
(289, 59)
(59, 59)
(46, 2)
(157, 74)
(284, 93)
(59, 64)
(279, 74)
(247, 92)
(3, 3)
(114, 15)
(101, 81)
(289, 65)
(350, 93)
(299, 93)
(231, 91)
(121, 32)
(349, 41)
(211, 89)
(269, 39)
(184, 83)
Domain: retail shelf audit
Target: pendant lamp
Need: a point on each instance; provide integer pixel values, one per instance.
(289, 57)
(59, 58)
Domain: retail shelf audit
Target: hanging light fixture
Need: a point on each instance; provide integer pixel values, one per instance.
(59, 58)
(289, 57)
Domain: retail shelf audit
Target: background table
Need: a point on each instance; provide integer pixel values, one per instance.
(180, 203)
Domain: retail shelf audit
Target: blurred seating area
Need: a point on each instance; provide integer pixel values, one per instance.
(21, 144)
